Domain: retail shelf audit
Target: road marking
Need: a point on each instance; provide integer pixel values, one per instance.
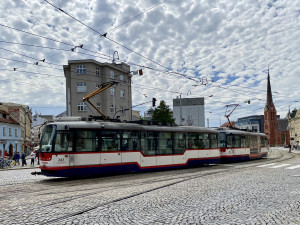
(265, 165)
(293, 167)
(278, 166)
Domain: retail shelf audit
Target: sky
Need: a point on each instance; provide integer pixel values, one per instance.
(217, 49)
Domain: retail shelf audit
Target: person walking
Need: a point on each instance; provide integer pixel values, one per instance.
(18, 159)
(23, 157)
(32, 156)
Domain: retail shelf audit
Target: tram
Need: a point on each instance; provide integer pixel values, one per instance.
(238, 145)
(86, 148)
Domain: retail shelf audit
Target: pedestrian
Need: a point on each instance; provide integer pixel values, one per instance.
(23, 157)
(18, 159)
(6, 155)
(290, 148)
(32, 156)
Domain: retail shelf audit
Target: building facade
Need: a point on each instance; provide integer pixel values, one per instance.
(21, 114)
(252, 123)
(85, 76)
(189, 111)
(294, 124)
(10, 134)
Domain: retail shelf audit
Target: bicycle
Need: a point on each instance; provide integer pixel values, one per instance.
(6, 163)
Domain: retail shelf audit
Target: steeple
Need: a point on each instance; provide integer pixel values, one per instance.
(269, 103)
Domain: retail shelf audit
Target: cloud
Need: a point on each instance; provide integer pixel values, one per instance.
(232, 44)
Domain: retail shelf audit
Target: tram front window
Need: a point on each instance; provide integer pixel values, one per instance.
(47, 138)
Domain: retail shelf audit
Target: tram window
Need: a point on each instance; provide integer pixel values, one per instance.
(253, 143)
(86, 141)
(236, 141)
(204, 141)
(164, 144)
(179, 143)
(130, 141)
(229, 141)
(149, 142)
(198, 141)
(213, 140)
(222, 139)
(247, 141)
(110, 140)
(63, 141)
(243, 141)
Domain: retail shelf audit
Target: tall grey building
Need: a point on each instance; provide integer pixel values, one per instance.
(84, 76)
(190, 111)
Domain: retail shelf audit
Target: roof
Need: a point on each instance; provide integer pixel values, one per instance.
(7, 118)
(282, 125)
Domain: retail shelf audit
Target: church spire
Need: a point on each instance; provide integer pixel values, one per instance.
(269, 93)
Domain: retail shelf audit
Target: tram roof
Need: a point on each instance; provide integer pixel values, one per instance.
(242, 132)
(65, 125)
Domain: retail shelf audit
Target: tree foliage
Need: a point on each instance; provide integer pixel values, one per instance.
(163, 113)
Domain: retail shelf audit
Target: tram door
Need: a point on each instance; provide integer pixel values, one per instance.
(259, 145)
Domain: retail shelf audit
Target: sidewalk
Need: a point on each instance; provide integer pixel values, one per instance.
(286, 149)
(28, 166)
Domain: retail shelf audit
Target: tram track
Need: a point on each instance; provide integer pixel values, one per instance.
(191, 177)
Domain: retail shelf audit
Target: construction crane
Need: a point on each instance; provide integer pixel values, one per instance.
(100, 89)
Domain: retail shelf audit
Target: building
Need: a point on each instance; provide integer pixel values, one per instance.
(294, 125)
(21, 114)
(85, 76)
(189, 111)
(276, 129)
(10, 134)
(253, 123)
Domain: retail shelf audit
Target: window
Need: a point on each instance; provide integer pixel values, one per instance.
(237, 141)
(122, 78)
(222, 139)
(149, 142)
(110, 140)
(179, 143)
(213, 140)
(16, 132)
(112, 74)
(130, 141)
(86, 141)
(122, 93)
(164, 145)
(99, 106)
(81, 106)
(4, 131)
(63, 141)
(198, 141)
(81, 87)
(112, 91)
(81, 69)
(9, 131)
(112, 108)
(97, 71)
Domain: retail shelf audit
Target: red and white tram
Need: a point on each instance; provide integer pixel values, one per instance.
(238, 145)
(84, 148)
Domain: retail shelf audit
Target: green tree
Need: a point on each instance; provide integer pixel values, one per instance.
(163, 113)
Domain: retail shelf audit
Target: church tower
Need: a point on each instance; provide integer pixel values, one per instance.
(270, 120)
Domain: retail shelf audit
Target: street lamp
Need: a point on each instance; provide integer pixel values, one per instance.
(119, 111)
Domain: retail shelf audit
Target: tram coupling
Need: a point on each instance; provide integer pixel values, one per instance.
(36, 173)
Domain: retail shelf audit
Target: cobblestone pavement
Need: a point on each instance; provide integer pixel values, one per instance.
(257, 192)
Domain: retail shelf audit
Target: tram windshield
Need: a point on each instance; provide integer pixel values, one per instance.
(47, 138)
